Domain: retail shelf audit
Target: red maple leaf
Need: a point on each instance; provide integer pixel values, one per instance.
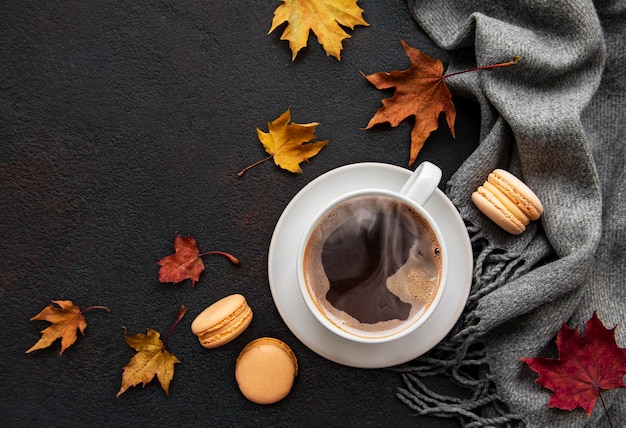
(186, 262)
(585, 365)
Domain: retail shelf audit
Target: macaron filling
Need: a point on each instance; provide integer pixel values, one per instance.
(496, 211)
(509, 205)
(517, 192)
(226, 328)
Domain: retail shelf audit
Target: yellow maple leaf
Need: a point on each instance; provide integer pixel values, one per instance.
(324, 17)
(285, 143)
(151, 359)
(66, 318)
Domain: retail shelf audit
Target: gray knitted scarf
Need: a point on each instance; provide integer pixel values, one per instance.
(557, 120)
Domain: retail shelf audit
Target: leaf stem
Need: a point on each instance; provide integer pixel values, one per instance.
(606, 411)
(240, 173)
(181, 313)
(486, 67)
(95, 307)
(230, 257)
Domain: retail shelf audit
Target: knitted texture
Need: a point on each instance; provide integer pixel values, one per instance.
(556, 120)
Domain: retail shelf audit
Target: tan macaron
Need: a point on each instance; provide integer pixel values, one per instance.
(223, 321)
(265, 370)
(507, 201)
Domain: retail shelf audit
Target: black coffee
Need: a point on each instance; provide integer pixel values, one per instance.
(372, 264)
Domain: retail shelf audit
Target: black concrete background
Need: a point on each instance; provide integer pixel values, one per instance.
(125, 123)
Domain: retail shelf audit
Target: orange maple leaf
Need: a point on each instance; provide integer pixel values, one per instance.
(420, 92)
(151, 359)
(66, 318)
(285, 143)
(323, 17)
(186, 262)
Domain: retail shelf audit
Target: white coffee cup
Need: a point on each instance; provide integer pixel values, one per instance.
(342, 262)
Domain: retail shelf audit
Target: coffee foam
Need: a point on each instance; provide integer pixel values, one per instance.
(414, 283)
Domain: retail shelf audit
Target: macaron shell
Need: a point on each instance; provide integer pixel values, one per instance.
(518, 192)
(217, 313)
(496, 211)
(265, 370)
(223, 321)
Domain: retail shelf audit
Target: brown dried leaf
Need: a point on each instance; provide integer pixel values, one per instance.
(420, 92)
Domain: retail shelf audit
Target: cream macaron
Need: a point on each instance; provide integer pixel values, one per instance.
(507, 201)
(265, 370)
(223, 321)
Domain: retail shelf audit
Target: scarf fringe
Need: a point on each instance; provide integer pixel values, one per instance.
(461, 355)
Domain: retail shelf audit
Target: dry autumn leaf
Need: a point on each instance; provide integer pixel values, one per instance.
(420, 92)
(186, 262)
(285, 143)
(323, 17)
(151, 359)
(586, 365)
(66, 318)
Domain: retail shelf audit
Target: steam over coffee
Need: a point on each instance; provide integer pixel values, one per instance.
(372, 265)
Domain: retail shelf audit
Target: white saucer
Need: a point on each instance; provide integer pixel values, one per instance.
(282, 269)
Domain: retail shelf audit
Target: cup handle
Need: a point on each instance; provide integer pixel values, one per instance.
(422, 183)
